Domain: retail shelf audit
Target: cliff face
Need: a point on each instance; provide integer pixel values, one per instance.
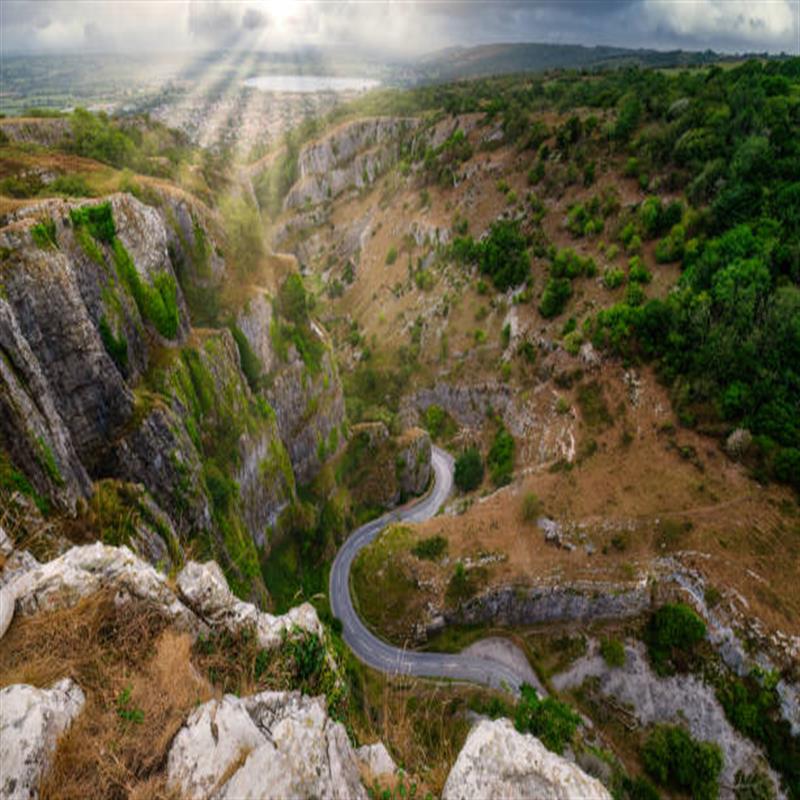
(302, 387)
(102, 377)
(352, 155)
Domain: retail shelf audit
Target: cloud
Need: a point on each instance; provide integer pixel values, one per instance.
(770, 25)
(253, 19)
(211, 20)
(388, 28)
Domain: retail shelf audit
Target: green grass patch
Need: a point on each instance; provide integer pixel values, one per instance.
(592, 403)
(379, 586)
(44, 234)
(251, 364)
(98, 220)
(116, 346)
(431, 548)
(158, 303)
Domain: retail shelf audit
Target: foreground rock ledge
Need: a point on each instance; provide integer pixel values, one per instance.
(273, 744)
(498, 761)
(203, 600)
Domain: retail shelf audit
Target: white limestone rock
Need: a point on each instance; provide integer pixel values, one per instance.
(31, 720)
(376, 758)
(498, 761)
(6, 609)
(82, 571)
(215, 736)
(204, 589)
(269, 745)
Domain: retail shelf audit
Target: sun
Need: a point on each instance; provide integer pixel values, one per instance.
(279, 11)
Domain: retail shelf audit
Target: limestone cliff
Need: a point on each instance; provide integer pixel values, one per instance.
(351, 156)
(103, 379)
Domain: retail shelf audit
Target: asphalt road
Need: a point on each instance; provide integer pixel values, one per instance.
(382, 656)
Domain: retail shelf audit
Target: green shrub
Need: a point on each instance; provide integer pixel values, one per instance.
(592, 402)
(72, 185)
(391, 256)
(116, 347)
(502, 254)
(566, 263)
(550, 720)
(292, 300)
(438, 422)
(672, 634)
(613, 652)
(753, 707)
(251, 364)
(158, 303)
(531, 507)
(463, 584)
(501, 458)
(98, 220)
(677, 761)
(638, 272)
(555, 296)
(430, 548)
(755, 785)
(613, 278)
(44, 234)
(468, 473)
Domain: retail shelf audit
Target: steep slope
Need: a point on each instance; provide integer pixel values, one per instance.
(104, 378)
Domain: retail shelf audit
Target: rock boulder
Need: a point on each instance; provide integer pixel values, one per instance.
(498, 761)
(32, 720)
(273, 744)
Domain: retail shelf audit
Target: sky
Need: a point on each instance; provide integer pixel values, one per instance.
(394, 28)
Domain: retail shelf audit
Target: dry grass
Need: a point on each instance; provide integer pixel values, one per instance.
(422, 725)
(111, 653)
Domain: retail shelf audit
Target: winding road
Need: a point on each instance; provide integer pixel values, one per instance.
(393, 660)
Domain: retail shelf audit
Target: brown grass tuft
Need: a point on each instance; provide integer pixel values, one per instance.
(140, 685)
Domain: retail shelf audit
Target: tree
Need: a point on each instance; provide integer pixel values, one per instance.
(292, 300)
(674, 759)
(501, 457)
(469, 470)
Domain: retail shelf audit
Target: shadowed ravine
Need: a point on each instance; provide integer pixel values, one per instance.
(393, 660)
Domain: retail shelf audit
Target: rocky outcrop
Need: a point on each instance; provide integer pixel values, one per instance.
(45, 131)
(413, 462)
(681, 699)
(309, 406)
(351, 156)
(30, 724)
(255, 320)
(383, 470)
(577, 601)
(202, 600)
(90, 305)
(542, 434)
(497, 761)
(205, 591)
(376, 760)
(273, 744)
(86, 570)
(73, 337)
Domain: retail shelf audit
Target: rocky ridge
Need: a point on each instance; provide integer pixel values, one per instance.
(353, 155)
(271, 744)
